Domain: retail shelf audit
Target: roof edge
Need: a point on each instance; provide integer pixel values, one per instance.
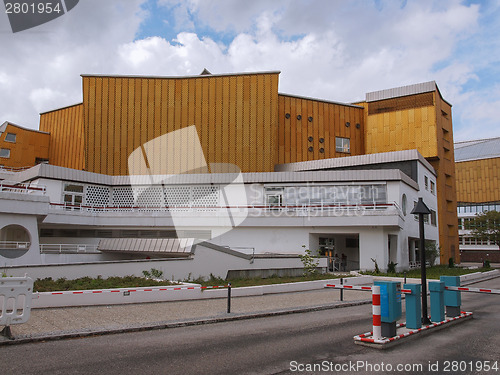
(22, 127)
(58, 109)
(320, 100)
(181, 77)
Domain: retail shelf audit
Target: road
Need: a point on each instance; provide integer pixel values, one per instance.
(276, 345)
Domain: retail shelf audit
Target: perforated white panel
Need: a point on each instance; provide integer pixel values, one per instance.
(123, 197)
(150, 197)
(97, 195)
(177, 196)
(207, 195)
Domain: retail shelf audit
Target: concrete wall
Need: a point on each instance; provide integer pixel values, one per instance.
(205, 262)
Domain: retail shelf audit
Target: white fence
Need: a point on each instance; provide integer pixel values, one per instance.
(15, 300)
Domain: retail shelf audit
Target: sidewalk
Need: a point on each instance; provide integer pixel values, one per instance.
(54, 323)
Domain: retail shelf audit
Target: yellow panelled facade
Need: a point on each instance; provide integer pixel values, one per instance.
(29, 147)
(65, 125)
(235, 118)
(394, 125)
(478, 181)
(423, 122)
(307, 129)
(444, 164)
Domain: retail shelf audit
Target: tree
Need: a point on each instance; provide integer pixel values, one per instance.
(487, 227)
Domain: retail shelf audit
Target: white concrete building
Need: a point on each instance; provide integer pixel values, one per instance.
(353, 209)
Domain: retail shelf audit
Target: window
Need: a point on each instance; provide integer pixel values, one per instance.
(73, 196)
(342, 145)
(426, 183)
(433, 218)
(433, 187)
(10, 137)
(4, 153)
(403, 204)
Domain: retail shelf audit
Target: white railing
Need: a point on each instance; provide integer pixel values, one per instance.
(14, 245)
(250, 210)
(50, 248)
(22, 188)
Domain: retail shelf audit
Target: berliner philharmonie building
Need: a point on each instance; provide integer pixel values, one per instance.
(222, 174)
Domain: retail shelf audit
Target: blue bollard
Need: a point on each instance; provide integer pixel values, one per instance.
(413, 306)
(390, 306)
(452, 298)
(437, 300)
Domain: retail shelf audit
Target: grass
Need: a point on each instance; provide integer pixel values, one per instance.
(255, 281)
(432, 272)
(86, 283)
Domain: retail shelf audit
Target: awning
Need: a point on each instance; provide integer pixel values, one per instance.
(167, 247)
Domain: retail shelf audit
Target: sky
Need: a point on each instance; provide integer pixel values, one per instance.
(335, 50)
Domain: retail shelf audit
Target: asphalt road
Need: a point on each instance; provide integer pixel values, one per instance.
(276, 345)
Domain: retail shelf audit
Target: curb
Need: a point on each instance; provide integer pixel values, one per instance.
(175, 324)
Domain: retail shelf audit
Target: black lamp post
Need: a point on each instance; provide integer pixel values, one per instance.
(421, 209)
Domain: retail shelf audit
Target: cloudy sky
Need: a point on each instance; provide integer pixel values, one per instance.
(335, 50)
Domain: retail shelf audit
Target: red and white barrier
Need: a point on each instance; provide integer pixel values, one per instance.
(124, 290)
(474, 290)
(376, 311)
(369, 337)
(352, 287)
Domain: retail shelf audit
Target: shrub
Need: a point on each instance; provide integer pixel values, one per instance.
(391, 267)
(310, 262)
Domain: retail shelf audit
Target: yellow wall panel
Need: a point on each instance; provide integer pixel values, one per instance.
(478, 181)
(328, 121)
(235, 116)
(66, 136)
(29, 146)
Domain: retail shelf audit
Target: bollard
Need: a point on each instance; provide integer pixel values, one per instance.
(341, 290)
(377, 319)
(404, 273)
(436, 289)
(229, 298)
(452, 298)
(413, 306)
(390, 306)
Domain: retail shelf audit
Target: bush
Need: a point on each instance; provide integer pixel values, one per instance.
(391, 267)
(451, 263)
(377, 270)
(310, 262)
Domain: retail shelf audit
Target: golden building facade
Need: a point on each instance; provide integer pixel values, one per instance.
(241, 119)
(417, 117)
(21, 147)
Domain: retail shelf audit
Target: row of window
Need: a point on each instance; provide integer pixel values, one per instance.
(465, 240)
(5, 152)
(429, 185)
(465, 208)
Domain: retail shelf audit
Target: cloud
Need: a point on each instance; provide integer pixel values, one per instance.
(328, 49)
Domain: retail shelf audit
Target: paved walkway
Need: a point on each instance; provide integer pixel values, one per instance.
(64, 322)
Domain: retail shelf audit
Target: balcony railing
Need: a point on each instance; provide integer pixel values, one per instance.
(49, 248)
(22, 188)
(14, 245)
(249, 210)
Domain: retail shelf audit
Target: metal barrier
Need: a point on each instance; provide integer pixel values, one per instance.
(473, 290)
(16, 294)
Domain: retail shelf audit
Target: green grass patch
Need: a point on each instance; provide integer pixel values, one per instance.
(86, 283)
(433, 272)
(236, 283)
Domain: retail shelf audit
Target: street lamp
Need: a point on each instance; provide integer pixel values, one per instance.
(421, 209)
